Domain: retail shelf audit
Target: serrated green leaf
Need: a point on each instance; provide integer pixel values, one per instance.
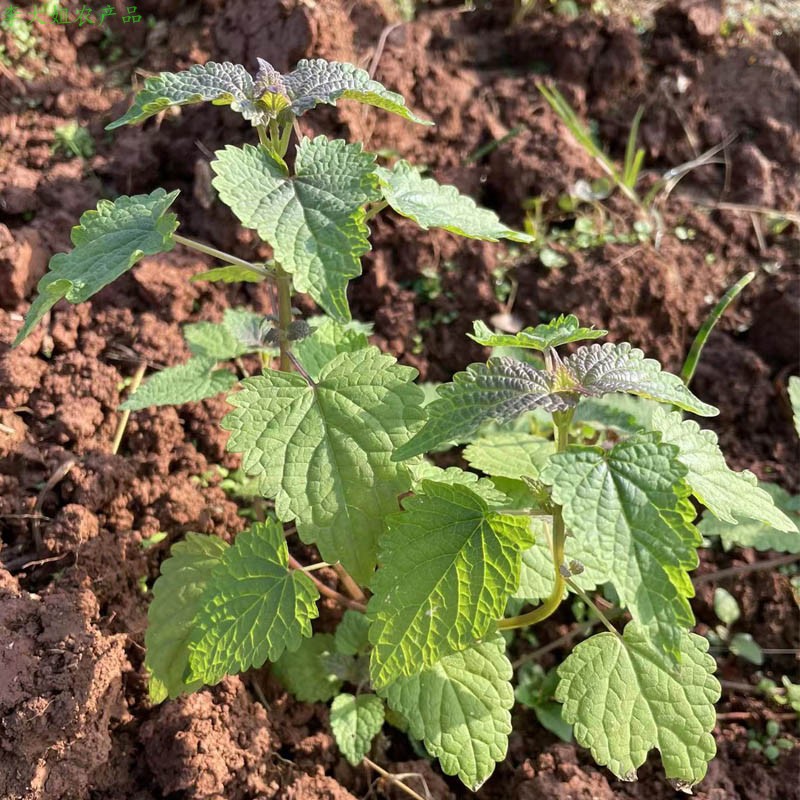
(108, 242)
(728, 495)
(794, 399)
(601, 369)
(558, 331)
(328, 340)
(253, 607)
(212, 340)
(187, 383)
(314, 220)
(324, 452)
(306, 673)
(177, 595)
(501, 390)
(355, 722)
(623, 698)
(433, 205)
(352, 633)
(460, 708)
(760, 535)
(230, 274)
(448, 566)
(509, 454)
(316, 80)
(629, 512)
(222, 84)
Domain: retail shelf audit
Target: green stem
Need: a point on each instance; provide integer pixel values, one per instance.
(284, 282)
(221, 255)
(123, 420)
(588, 600)
(562, 421)
(690, 365)
(374, 210)
(262, 137)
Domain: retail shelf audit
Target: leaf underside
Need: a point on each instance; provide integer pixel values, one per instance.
(631, 519)
(460, 708)
(316, 80)
(304, 671)
(601, 369)
(324, 452)
(314, 220)
(448, 566)
(624, 699)
(253, 608)
(559, 331)
(760, 535)
(433, 205)
(107, 243)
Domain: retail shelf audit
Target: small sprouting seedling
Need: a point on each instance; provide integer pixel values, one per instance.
(427, 559)
(770, 742)
(74, 140)
(626, 180)
(722, 638)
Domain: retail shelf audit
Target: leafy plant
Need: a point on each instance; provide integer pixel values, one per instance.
(427, 559)
(73, 139)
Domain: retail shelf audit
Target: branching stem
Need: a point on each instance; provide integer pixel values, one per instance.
(326, 590)
(222, 256)
(562, 421)
(123, 420)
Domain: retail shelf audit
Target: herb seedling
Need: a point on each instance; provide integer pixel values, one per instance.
(428, 559)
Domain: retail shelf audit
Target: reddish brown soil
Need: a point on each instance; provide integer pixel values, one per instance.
(75, 722)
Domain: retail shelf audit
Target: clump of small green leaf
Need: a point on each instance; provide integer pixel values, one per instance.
(330, 432)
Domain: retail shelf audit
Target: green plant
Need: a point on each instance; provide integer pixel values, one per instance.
(72, 138)
(427, 559)
(740, 644)
(770, 742)
(634, 156)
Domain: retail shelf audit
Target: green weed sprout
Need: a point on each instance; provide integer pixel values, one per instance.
(428, 559)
